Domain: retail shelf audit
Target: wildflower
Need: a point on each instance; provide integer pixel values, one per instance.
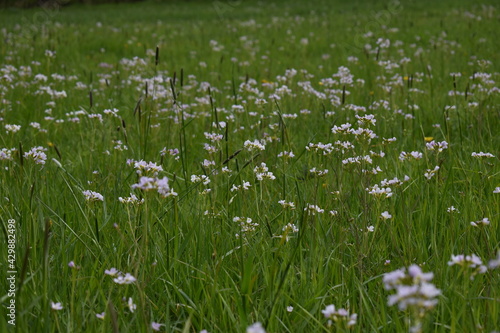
(132, 307)
(484, 222)
(469, 261)
(313, 209)
(385, 215)
(171, 152)
(414, 155)
(71, 264)
(131, 200)
(245, 186)
(261, 172)
(147, 167)
(12, 128)
(394, 182)
(482, 155)
(437, 146)
(287, 229)
(364, 133)
(380, 192)
(145, 184)
(496, 190)
(342, 315)
(101, 315)
(289, 308)
(127, 279)
(37, 154)
(452, 209)
(285, 204)
(92, 196)
(56, 306)
(156, 326)
(246, 224)
(214, 137)
(256, 328)
(207, 163)
(431, 173)
(342, 129)
(286, 154)
(413, 290)
(164, 189)
(254, 145)
(6, 154)
(225, 169)
(112, 272)
(368, 119)
(495, 263)
(200, 179)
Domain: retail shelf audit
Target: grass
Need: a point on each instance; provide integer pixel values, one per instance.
(215, 67)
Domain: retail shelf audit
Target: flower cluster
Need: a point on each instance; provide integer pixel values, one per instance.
(469, 262)
(246, 225)
(414, 291)
(262, 172)
(482, 155)
(339, 316)
(37, 154)
(436, 146)
(484, 222)
(254, 145)
(92, 196)
(153, 183)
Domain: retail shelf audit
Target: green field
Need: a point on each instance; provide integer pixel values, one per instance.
(250, 166)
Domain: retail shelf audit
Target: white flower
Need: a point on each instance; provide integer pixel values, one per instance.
(112, 272)
(200, 179)
(484, 222)
(289, 308)
(496, 190)
(469, 261)
(313, 209)
(256, 328)
(494, 263)
(92, 196)
(37, 154)
(254, 145)
(127, 279)
(156, 326)
(131, 200)
(6, 154)
(12, 128)
(437, 146)
(339, 315)
(56, 306)
(100, 315)
(430, 173)
(385, 215)
(145, 184)
(413, 290)
(285, 204)
(132, 307)
(286, 154)
(482, 155)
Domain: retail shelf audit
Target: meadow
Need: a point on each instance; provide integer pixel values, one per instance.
(251, 166)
